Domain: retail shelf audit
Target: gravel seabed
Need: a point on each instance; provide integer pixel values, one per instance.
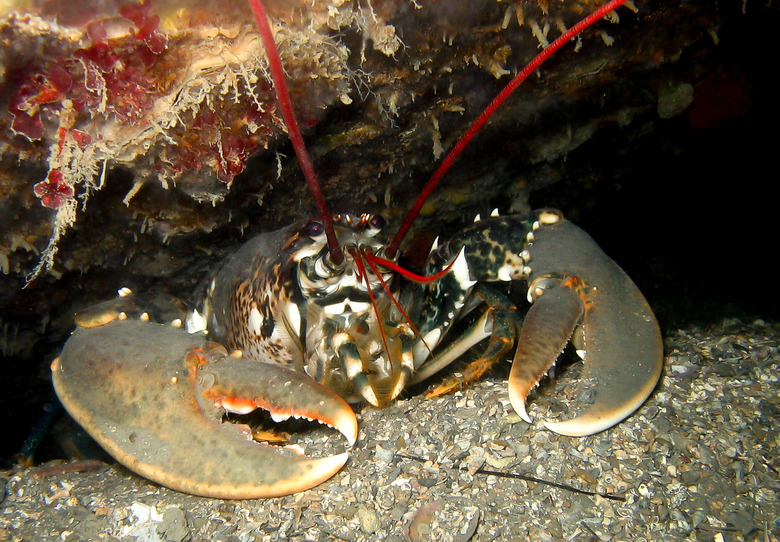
(699, 461)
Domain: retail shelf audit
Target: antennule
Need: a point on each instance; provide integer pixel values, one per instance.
(285, 104)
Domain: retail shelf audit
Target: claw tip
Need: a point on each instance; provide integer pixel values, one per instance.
(518, 403)
(347, 426)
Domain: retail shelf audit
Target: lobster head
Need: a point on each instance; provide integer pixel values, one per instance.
(355, 340)
(284, 297)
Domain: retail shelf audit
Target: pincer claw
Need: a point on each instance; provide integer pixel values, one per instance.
(618, 335)
(158, 411)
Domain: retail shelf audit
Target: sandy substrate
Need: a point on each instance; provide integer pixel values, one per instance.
(699, 461)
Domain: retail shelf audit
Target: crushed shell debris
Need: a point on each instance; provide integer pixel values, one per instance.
(699, 461)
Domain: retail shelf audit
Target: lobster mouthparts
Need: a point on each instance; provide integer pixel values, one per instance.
(154, 397)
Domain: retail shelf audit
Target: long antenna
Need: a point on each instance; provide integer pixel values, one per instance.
(488, 112)
(285, 104)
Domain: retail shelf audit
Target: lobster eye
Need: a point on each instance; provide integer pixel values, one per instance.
(314, 229)
(376, 222)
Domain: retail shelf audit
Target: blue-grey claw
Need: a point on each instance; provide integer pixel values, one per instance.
(618, 337)
(154, 396)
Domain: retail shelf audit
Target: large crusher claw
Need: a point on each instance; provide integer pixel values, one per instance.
(154, 396)
(573, 283)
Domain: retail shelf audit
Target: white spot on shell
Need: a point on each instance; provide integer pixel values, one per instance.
(549, 217)
(124, 292)
(432, 337)
(435, 245)
(255, 321)
(461, 270)
(420, 351)
(195, 322)
(353, 367)
(505, 272)
(341, 308)
(294, 317)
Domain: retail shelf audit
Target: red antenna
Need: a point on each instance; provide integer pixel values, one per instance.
(446, 164)
(285, 104)
(277, 73)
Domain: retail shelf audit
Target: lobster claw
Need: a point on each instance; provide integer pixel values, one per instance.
(573, 283)
(157, 409)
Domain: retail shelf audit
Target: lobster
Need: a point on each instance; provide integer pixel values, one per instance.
(305, 320)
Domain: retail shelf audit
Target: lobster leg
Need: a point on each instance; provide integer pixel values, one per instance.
(134, 387)
(498, 324)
